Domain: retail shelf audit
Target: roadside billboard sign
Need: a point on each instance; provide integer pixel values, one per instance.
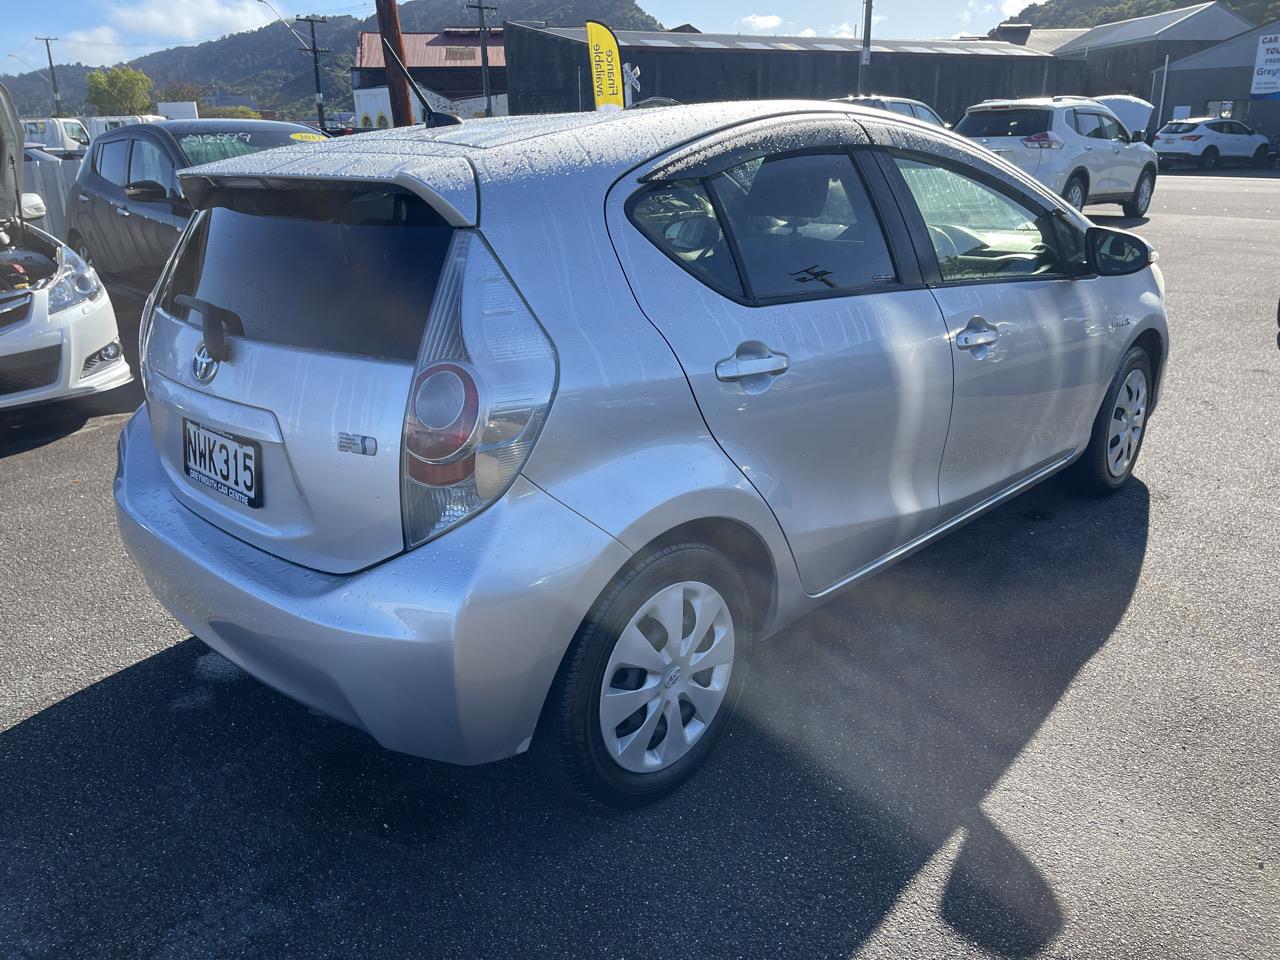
(1266, 69)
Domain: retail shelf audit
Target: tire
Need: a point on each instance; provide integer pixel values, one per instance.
(1260, 156)
(578, 747)
(1076, 190)
(1100, 472)
(1136, 206)
(1209, 160)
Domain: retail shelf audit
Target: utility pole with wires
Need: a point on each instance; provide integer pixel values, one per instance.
(315, 61)
(397, 83)
(482, 8)
(53, 76)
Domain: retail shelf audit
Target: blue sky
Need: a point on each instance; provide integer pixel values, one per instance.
(108, 31)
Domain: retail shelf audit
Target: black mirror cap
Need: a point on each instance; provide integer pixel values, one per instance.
(146, 191)
(1138, 136)
(1117, 253)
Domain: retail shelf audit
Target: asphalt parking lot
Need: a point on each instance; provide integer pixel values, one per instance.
(1054, 733)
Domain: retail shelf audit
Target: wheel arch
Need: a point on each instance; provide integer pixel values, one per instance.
(1153, 343)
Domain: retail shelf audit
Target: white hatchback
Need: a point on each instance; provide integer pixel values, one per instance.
(1074, 145)
(1210, 142)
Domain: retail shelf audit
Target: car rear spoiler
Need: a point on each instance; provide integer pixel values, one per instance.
(446, 183)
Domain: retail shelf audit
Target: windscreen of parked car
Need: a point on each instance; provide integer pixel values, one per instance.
(1003, 123)
(345, 271)
(76, 131)
(220, 144)
(1178, 127)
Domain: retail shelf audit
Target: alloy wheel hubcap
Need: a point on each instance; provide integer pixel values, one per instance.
(1144, 193)
(1127, 419)
(666, 677)
(1076, 196)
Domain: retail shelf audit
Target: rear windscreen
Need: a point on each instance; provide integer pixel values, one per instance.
(1178, 127)
(322, 269)
(1003, 123)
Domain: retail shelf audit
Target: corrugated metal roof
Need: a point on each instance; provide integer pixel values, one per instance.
(1052, 39)
(734, 41)
(1148, 28)
(1239, 51)
(450, 49)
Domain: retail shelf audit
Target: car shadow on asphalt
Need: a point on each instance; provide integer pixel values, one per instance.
(179, 808)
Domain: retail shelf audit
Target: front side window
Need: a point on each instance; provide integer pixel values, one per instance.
(979, 232)
(113, 159)
(1112, 130)
(1090, 125)
(928, 116)
(803, 224)
(76, 131)
(897, 106)
(149, 162)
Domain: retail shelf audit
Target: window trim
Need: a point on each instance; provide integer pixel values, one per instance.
(97, 160)
(895, 232)
(930, 268)
(160, 147)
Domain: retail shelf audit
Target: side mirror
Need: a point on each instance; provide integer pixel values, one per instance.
(146, 191)
(1117, 253)
(33, 207)
(1138, 136)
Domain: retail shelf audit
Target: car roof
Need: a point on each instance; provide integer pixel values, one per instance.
(1197, 119)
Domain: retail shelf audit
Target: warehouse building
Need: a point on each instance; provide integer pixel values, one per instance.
(446, 65)
(547, 68)
(1119, 57)
(1219, 82)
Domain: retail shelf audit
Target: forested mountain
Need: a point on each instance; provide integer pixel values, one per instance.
(265, 63)
(1090, 13)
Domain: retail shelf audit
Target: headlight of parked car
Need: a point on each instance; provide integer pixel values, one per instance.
(74, 282)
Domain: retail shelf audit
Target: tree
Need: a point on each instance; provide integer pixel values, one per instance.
(179, 92)
(230, 113)
(118, 91)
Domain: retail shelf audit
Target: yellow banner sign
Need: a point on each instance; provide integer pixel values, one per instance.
(606, 66)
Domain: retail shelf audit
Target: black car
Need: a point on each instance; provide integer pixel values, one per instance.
(126, 208)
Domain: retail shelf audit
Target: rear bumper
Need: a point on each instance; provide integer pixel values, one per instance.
(1175, 156)
(446, 651)
(70, 336)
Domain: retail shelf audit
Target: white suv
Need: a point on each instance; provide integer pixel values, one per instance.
(1210, 141)
(1075, 146)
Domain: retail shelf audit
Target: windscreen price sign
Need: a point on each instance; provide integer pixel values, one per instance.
(1266, 69)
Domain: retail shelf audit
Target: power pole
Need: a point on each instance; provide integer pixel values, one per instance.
(864, 58)
(53, 76)
(315, 61)
(397, 84)
(482, 8)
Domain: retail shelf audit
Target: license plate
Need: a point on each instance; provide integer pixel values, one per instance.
(224, 463)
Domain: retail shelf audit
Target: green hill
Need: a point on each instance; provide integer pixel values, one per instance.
(265, 63)
(1091, 13)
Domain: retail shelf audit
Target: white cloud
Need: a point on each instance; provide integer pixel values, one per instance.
(1011, 8)
(94, 47)
(844, 31)
(760, 22)
(807, 32)
(177, 21)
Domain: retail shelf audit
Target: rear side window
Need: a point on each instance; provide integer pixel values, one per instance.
(804, 224)
(681, 221)
(112, 162)
(346, 271)
(897, 106)
(1003, 123)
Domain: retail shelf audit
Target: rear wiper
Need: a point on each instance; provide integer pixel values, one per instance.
(216, 322)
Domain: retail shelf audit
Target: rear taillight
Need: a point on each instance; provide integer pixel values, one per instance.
(484, 381)
(1193, 136)
(1046, 140)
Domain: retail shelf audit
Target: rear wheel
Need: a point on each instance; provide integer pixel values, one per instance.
(1136, 206)
(1210, 159)
(1260, 156)
(1119, 428)
(650, 680)
(1076, 192)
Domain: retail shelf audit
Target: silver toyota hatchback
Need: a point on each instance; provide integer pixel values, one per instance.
(518, 435)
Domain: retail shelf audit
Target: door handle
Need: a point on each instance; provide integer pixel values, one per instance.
(738, 368)
(121, 212)
(978, 336)
(82, 198)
